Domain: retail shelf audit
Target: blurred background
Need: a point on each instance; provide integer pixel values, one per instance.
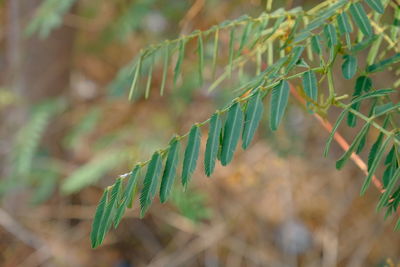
(67, 130)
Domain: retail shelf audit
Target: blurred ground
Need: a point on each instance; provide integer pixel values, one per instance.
(280, 203)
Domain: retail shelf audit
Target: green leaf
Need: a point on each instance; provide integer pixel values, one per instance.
(364, 43)
(94, 234)
(181, 55)
(127, 197)
(377, 93)
(253, 116)
(349, 66)
(363, 83)
(215, 52)
(344, 23)
(191, 154)
(361, 19)
(390, 156)
(130, 190)
(376, 146)
(388, 190)
(279, 100)
(374, 165)
(231, 50)
(200, 53)
(323, 15)
(150, 183)
(334, 129)
(295, 56)
(232, 130)
(331, 35)
(316, 44)
(383, 64)
(149, 78)
(135, 77)
(388, 174)
(376, 5)
(107, 215)
(310, 85)
(213, 143)
(165, 70)
(363, 141)
(340, 163)
(169, 170)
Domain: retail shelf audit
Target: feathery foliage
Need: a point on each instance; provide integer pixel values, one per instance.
(306, 46)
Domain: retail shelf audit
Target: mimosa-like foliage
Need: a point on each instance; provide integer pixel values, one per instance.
(294, 45)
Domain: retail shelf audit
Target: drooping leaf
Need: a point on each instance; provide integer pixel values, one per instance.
(340, 163)
(376, 146)
(200, 53)
(213, 143)
(252, 119)
(127, 196)
(130, 190)
(169, 174)
(278, 103)
(330, 35)
(165, 70)
(107, 215)
(388, 174)
(149, 78)
(232, 130)
(334, 129)
(344, 23)
(191, 154)
(150, 183)
(215, 52)
(231, 50)
(181, 55)
(349, 66)
(361, 19)
(310, 85)
(374, 165)
(135, 77)
(384, 63)
(376, 5)
(94, 234)
(390, 156)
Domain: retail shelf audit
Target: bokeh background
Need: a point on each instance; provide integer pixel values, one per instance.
(67, 130)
